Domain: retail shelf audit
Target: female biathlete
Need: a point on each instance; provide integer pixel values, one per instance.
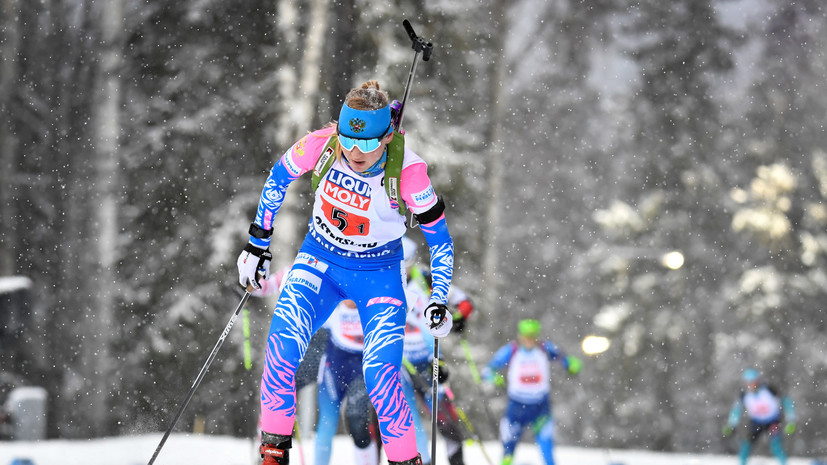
(351, 251)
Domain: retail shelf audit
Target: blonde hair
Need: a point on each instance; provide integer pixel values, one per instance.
(368, 96)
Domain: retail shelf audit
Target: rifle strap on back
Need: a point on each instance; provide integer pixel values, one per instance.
(324, 163)
(393, 169)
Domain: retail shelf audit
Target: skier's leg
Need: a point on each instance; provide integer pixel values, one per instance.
(382, 311)
(358, 422)
(308, 371)
(300, 311)
(451, 429)
(454, 451)
(381, 373)
(510, 431)
(275, 449)
(544, 431)
(421, 434)
(777, 445)
(368, 455)
(328, 421)
(744, 450)
(414, 461)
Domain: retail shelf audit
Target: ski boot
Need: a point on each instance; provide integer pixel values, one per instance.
(275, 449)
(414, 461)
(456, 458)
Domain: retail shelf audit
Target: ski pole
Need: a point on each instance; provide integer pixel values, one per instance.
(434, 402)
(248, 354)
(299, 440)
(475, 374)
(471, 365)
(202, 373)
(419, 46)
(470, 427)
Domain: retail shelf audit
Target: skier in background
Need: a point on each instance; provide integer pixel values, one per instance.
(766, 411)
(527, 367)
(352, 251)
(418, 358)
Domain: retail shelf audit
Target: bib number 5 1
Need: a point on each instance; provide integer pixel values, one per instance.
(348, 223)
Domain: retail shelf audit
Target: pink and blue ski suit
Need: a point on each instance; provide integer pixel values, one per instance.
(351, 251)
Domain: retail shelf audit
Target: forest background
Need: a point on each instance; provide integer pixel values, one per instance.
(575, 144)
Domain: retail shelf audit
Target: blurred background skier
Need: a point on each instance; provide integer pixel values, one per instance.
(527, 378)
(418, 358)
(766, 411)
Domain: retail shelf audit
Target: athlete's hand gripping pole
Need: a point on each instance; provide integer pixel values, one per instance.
(203, 372)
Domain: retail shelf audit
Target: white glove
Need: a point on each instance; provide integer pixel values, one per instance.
(253, 264)
(439, 319)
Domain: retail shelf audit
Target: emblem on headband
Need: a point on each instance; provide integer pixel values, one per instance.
(357, 125)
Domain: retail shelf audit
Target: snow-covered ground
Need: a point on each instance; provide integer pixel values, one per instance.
(186, 449)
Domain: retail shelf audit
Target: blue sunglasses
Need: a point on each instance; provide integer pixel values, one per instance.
(364, 145)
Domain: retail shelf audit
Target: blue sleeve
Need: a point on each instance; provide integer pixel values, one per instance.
(272, 196)
(552, 351)
(441, 247)
(499, 361)
(789, 409)
(735, 412)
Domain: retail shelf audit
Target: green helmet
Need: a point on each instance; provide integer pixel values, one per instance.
(528, 328)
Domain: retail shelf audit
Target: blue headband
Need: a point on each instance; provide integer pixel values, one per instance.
(364, 124)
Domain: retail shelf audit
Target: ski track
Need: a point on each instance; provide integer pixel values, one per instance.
(184, 449)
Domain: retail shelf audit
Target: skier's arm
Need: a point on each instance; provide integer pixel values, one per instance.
(571, 363)
(551, 350)
(497, 363)
(735, 413)
(789, 414)
(789, 409)
(459, 300)
(254, 261)
(300, 159)
(441, 247)
(272, 196)
(419, 195)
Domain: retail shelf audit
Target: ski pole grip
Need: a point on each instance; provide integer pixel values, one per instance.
(250, 287)
(419, 44)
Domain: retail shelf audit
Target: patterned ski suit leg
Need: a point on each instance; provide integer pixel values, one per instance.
(421, 434)
(303, 306)
(382, 311)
